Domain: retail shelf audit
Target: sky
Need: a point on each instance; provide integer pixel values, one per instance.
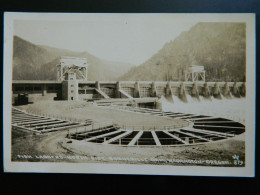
(131, 38)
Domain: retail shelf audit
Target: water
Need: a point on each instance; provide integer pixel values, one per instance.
(191, 99)
(233, 108)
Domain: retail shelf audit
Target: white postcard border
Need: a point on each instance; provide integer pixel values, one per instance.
(247, 171)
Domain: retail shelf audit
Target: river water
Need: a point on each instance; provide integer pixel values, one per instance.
(233, 108)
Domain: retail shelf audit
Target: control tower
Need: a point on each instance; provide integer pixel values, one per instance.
(75, 65)
(195, 73)
(70, 71)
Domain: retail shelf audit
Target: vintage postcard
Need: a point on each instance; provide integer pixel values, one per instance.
(160, 94)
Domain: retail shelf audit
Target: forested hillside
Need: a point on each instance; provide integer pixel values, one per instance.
(37, 62)
(219, 47)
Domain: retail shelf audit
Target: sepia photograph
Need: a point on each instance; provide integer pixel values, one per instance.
(159, 94)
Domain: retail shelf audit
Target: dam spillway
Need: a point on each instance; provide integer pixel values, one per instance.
(73, 89)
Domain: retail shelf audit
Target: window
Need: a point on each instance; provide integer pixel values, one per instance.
(57, 87)
(71, 98)
(72, 85)
(81, 92)
(72, 91)
(19, 88)
(29, 88)
(37, 88)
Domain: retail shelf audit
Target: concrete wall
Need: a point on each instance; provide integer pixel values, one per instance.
(83, 90)
(70, 90)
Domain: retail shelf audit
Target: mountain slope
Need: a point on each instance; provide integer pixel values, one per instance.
(219, 47)
(38, 62)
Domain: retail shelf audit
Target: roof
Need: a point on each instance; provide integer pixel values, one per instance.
(35, 82)
(70, 61)
(196, 68)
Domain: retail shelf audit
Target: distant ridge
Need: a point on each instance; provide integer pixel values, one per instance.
(220, 47)
(38, 62)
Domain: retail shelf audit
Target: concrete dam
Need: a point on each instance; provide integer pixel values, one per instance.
(140, 91)
(72, 84)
